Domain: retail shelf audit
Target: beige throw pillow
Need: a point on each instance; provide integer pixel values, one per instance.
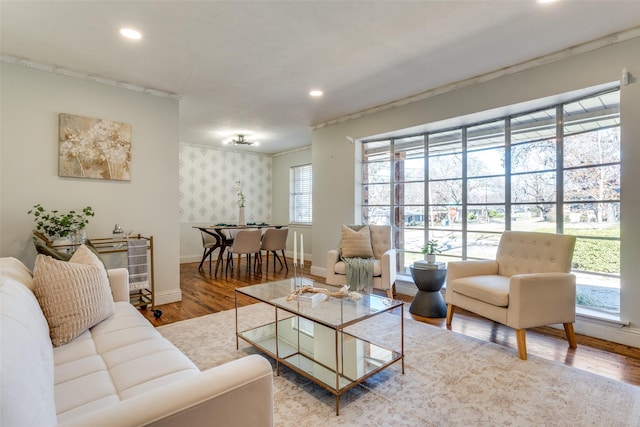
(356, 244)
(74, 295)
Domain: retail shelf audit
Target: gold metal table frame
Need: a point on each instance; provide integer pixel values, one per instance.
(329, 356)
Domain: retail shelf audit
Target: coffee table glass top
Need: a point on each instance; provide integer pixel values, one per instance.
(335, 312)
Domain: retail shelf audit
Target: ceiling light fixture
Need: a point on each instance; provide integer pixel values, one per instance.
(130, 33)
(315, 93)
(240, 140)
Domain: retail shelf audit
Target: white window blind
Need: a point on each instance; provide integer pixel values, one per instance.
(301, 184)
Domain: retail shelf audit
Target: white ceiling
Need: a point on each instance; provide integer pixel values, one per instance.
(249, 65)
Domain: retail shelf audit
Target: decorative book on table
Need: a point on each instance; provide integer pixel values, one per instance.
(424, 265)
(312, 298)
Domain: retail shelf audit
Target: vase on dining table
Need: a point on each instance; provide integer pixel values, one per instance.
(241, 215)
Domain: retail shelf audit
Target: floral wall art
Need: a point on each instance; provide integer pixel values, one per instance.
(94, 148)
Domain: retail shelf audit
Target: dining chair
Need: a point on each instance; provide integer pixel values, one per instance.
(209, 242)
(245, 242)
(275, 240)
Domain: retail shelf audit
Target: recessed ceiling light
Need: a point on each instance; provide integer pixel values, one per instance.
(130, 33)
(315, 93)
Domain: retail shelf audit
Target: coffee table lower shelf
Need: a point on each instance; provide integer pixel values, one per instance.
(357, 359)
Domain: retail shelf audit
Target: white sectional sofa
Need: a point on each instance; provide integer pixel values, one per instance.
(121, 372)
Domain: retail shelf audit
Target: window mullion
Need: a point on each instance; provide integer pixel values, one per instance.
(507, 172)
(559, 169)
(427, 189)
(464, 192)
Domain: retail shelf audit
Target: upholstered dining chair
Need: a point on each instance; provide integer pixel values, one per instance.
(370, 241)
(274, 240)
(245, 242)
(529, 284)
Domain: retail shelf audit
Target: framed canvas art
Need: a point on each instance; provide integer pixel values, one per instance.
(94, 148)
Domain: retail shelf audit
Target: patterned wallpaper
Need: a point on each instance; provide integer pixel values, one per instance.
(207, 185)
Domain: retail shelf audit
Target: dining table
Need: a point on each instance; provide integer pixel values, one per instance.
(223, 240)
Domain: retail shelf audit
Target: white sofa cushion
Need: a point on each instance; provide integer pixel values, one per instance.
(14, 268)
(74, 295)
(119, 372)
(117, 359)
(27, 358)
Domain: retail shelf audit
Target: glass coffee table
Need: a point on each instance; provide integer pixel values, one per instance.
(311, 338)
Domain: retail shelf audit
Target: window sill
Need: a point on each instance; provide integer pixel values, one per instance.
(600, 317)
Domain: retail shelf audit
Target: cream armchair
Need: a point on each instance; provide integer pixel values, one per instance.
(527, 285)
(384, 269)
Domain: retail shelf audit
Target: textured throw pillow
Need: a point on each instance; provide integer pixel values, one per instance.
(74, 295)
(356, 244)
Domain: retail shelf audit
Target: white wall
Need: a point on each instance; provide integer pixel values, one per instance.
(282, 164)
(335, 159)
(148, 204)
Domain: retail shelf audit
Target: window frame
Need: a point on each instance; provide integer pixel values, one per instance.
(301, 187)
(550, 119)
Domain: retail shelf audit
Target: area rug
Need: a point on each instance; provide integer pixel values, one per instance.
(450, 380)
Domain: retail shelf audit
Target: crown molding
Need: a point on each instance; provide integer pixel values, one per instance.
(89, 77)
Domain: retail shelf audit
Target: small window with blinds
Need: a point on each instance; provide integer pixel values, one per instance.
(301, 183)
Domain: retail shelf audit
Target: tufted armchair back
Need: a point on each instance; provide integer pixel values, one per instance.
(380, 239)
(522, 252)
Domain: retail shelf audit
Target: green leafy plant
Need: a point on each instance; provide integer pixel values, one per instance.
(54, 224)
(431, 247)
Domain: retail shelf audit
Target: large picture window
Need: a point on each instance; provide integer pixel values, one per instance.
(555, 169)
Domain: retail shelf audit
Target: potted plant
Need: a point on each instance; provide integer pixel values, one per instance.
(56, 225)
(430, 249)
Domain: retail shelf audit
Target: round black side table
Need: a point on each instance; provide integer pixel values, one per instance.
(428, 302)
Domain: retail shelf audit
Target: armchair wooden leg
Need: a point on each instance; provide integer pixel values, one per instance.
(391, 293)
(571, 335)
(521, 336)
(450, 310)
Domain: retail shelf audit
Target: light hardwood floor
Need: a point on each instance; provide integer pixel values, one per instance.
(203, 294)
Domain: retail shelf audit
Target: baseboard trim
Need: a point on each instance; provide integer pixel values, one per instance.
(167, 297)
(190, 258)
(621, 334)
(318, 271)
